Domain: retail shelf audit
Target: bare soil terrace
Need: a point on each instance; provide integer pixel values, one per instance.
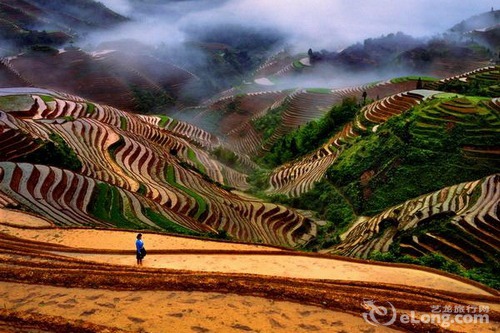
(85, 280)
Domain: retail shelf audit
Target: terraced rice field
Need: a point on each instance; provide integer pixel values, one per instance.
(137, 168)
(197, 285)
(298, 177)
(473, 207)
(108, 76)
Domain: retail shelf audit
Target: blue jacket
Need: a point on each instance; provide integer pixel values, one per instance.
(139, 244)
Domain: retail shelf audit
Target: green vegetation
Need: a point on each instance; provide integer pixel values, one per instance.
(329, 205)
(192, 156)
(151, 102)
(310, 136)
(268, 123)
(55, 152)
(486, 275)
(234, 106)
(229, 158)
(16, 102)
(166, 224)
(114, 146)
(319, 90)
(172, 124)
(123, 123)
(108, 205)
(220, 234)
(142, 189)
(417, 152)
(445, 258)
(47, 98)
(226, 156)
(480, 84)
(413, 78)
(202, 206)
(163, 120)
(298, 65)
(90, 108)
(259, 180)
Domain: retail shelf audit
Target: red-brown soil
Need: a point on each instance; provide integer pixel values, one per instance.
(47, 278)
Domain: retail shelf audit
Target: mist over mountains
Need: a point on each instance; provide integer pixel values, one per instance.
(222, 42)
(327, 154)
(319, 24)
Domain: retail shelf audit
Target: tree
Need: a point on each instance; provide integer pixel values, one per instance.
(420, 85)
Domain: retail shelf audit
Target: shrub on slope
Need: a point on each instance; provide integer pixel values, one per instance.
(55, 153)
(312, 135)
(418, 152)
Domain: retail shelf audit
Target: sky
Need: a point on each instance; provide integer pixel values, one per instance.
(320, 24)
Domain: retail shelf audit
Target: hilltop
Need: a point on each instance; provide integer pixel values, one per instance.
(54, 23)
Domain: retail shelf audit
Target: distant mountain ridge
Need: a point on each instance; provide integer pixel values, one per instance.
(482, 21)
(30, 22)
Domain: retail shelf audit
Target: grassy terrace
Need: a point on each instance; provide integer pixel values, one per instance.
(166, 224)
(15, 102)
(123, 123)
(297, 64)
(163, 120)
(173, 124)
(55, 152)
(114, 146)
(202, 206)
(268, 123)
(192, 156)
(90, 108)
(417, 152)
(108, 205)
(477, 124)
(413, 78)
(47, 98)
(484, 83)
(319, 90)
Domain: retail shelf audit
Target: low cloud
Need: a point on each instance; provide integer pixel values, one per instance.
(320, 24)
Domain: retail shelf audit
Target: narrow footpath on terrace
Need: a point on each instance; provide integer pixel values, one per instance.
(182, 253)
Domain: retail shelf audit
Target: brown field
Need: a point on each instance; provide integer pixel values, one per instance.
(84, 280)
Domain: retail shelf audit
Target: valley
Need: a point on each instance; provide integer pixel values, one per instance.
(276, 190)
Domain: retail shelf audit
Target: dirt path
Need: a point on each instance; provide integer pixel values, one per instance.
(22, 219)
(295, 267)
(120, 240)
(288, 265)
(163, 311)
(275, 300)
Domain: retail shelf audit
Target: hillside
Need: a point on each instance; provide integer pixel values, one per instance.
(28, 23)
(392, 151)
(276, 191)
(112, 77)
(128, 171)
(199, 285)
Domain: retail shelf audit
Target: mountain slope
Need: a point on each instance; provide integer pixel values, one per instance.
(459, 222)
(27, 23)
(110, 77)
(133, 174)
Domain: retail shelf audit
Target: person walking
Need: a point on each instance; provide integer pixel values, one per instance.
(140, 250)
